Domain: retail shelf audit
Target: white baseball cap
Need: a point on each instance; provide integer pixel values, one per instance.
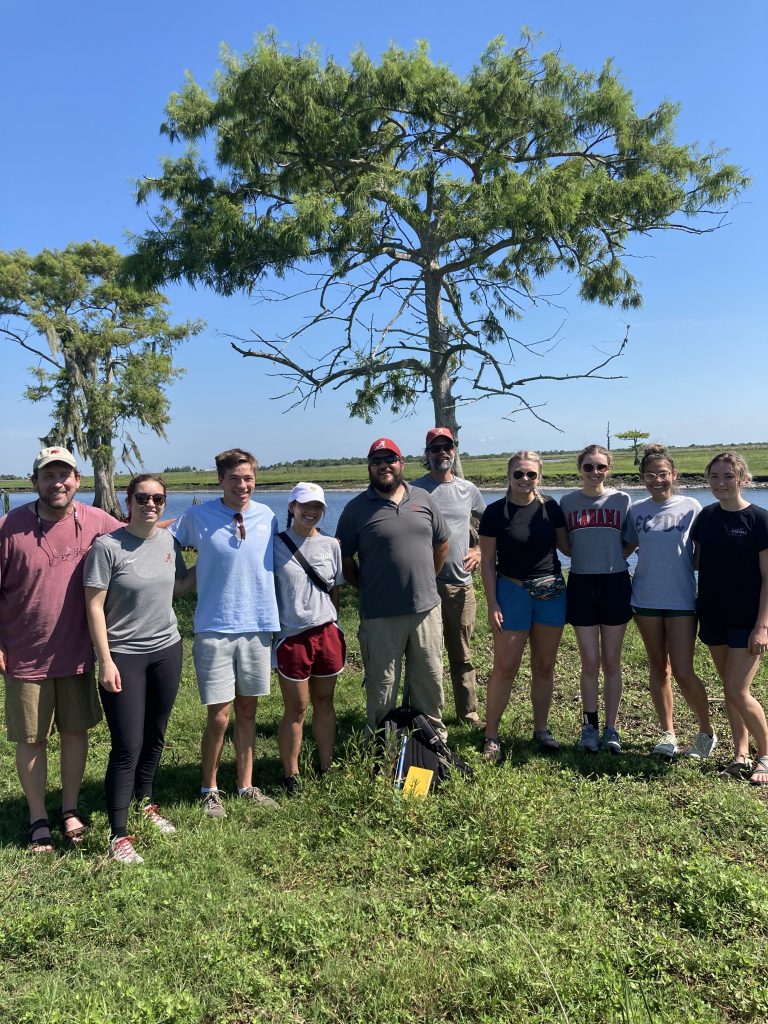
(304, 492)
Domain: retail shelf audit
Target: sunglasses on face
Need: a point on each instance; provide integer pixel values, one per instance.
(383, 460)
(518, 474)
(595, 467)
(142, 498)
(435, 449)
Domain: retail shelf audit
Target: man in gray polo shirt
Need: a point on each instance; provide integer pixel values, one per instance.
(459, 501)
(400, 539)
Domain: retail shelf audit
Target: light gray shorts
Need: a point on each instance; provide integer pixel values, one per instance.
(230, 664)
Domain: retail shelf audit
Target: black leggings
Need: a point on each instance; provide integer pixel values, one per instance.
(137, 717)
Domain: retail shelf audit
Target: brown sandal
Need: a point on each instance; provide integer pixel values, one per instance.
(74, 835)
(43, 844)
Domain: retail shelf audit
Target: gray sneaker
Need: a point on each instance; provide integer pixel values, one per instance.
(255, 794)
(702, 746)
(610, 741)
(212, 805)
(590, 740)
(667, 745)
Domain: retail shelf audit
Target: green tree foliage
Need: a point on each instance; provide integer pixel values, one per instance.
(104, 349)
(423, 210)
(635, 436)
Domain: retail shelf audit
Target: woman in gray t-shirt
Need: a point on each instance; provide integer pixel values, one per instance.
(597, 599)
(130, 578)
(664, 598)
(310, 651)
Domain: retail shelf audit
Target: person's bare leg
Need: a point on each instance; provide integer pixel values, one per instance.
(611, 640)
(212, 742)
(508, 647)
(740, 671)
(32, 768)
(681, 641)
(739, 731)
(245, 739)
(652, 630)
(323, 718)
(588, 640)
(545, 641)
(289, 732)
(74, 754)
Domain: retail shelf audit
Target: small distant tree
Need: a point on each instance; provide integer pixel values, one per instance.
(635, 436)
(104, 349)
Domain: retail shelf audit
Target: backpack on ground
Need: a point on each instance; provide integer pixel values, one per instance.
(410, 740)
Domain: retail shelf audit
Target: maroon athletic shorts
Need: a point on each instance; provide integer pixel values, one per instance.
(319, 651)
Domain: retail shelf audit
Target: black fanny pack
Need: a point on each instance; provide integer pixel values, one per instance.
(545, 587)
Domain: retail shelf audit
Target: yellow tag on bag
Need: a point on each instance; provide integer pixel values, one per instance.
(417, 782)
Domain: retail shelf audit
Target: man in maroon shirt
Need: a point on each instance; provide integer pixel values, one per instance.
(46, 655)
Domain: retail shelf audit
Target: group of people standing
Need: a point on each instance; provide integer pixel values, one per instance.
(73, 578)
(598, 527)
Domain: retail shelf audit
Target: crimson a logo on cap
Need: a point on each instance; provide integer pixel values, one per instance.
(54, 451)
(379, 445)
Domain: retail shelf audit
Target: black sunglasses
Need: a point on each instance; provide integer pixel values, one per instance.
(237, 519)
(597, 467)
(383, 460)
(435, 449)
(142, 498)
(518, 474)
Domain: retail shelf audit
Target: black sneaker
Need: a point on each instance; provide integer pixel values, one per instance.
(292, 785)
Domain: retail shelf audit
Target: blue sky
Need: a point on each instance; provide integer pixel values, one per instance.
(84, 85)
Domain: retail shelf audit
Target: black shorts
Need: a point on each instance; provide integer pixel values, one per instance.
(599, 599)
(714, 635)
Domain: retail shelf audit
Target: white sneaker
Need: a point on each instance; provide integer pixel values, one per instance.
(702, 746)
(667, 745)
(152, 813)
(122, 850)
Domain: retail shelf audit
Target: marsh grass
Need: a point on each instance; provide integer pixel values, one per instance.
(484, 470)
(595, 889)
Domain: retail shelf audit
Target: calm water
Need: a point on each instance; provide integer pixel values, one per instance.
(278, 500)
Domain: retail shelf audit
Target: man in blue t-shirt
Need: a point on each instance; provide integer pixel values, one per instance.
(235, 618)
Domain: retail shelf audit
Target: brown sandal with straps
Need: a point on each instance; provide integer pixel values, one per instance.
(74, 835)
(44, 844)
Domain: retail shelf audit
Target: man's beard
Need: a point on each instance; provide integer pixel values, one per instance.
(390, 484)
(442, 464)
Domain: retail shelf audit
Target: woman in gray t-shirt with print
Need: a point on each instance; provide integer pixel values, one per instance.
(597, 599)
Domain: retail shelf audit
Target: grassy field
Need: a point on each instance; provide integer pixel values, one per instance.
(484, 470)
(573, 889)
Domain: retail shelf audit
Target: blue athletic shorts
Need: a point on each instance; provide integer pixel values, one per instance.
(519, 610)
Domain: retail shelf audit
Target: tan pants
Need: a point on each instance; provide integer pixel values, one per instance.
(384, 643)
(459, 607)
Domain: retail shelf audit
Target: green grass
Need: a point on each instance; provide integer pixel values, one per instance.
(576, 889)
(484, 470)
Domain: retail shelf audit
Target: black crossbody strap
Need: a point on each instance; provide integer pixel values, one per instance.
(319, 583)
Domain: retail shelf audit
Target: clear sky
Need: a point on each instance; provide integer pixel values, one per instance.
(83, 88)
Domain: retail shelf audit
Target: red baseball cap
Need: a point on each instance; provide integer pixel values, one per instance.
(439, 432)
(383, 444)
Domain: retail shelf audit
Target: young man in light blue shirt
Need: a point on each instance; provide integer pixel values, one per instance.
(235, 618)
